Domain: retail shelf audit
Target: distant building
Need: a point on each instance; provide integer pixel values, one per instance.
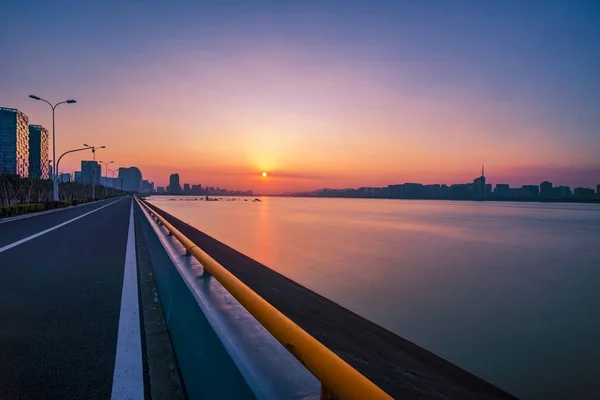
(77, 177)
(186, 188)
(598, 190)
(196, 189)
(66, 177)
(90, 172)
(530, 191)
(131, 179)
(460, 191)
(38, 152)
(147, 187)
(110, 182)
(396, 191)
(413, 190)
(160, 190)
(502, 190)
(174, 186)
(14, 142)
(561, 192)
(479, 186)
(581, 193)
(546, 190)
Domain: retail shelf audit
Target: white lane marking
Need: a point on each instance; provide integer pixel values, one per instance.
(128, 378)
(35, 235)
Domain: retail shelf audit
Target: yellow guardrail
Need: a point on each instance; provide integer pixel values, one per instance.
(338, 379)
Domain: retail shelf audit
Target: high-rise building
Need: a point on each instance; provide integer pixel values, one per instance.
(77, 176)
(186, 188)
(479, 186)
(66, 177)
(132, 179)
(90, 172)
(14, 142)
(160, 190)
(38, 152)
(174, 186)
(598, 190)
(546, 190)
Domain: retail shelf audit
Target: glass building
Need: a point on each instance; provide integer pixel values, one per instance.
(14, 142)
(38, 152)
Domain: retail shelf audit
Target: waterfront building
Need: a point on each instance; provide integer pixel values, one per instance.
(546, 190)
(14, 142)
(38, 152)
(174, 186)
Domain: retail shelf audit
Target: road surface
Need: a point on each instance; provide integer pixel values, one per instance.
(61, 286)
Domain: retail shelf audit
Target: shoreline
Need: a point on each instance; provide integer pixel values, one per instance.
(493, 200)
(398, 366)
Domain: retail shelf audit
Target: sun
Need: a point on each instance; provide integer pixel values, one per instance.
(264, 174)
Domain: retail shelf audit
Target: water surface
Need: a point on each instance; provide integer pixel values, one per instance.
(508, 291)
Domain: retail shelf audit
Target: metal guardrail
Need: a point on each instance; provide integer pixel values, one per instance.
(338, 379)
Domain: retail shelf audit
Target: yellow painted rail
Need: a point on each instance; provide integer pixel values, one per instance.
(338, 379)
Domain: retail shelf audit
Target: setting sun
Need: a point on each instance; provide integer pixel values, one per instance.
(264, 174)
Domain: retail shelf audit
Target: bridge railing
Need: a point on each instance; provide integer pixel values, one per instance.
(338, 379)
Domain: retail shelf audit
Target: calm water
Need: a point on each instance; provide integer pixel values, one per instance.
(509, 291)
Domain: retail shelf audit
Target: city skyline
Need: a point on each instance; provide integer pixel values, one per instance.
(315, 96)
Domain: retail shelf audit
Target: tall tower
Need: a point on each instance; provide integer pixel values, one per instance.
(479, 186)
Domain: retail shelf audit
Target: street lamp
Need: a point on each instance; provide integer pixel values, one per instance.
(58, 162)
(70, 101)
(94, 148)
(113, 185)
(106, 166)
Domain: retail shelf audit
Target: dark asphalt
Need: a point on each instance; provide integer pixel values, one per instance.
(12, 231)
(60, 297)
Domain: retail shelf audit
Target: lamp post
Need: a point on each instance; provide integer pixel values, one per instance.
(106, 166)
(94, 148)
(70, 101)
(112, 184)
(58, 162)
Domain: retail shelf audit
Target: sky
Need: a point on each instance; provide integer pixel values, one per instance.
(316, 93)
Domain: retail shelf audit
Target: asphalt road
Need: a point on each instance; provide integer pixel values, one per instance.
(60, 298)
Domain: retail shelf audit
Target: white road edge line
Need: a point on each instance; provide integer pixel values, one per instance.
(128, 378)
(35, 235)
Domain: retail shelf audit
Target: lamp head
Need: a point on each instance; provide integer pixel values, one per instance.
(71, 101)
(34, 97)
